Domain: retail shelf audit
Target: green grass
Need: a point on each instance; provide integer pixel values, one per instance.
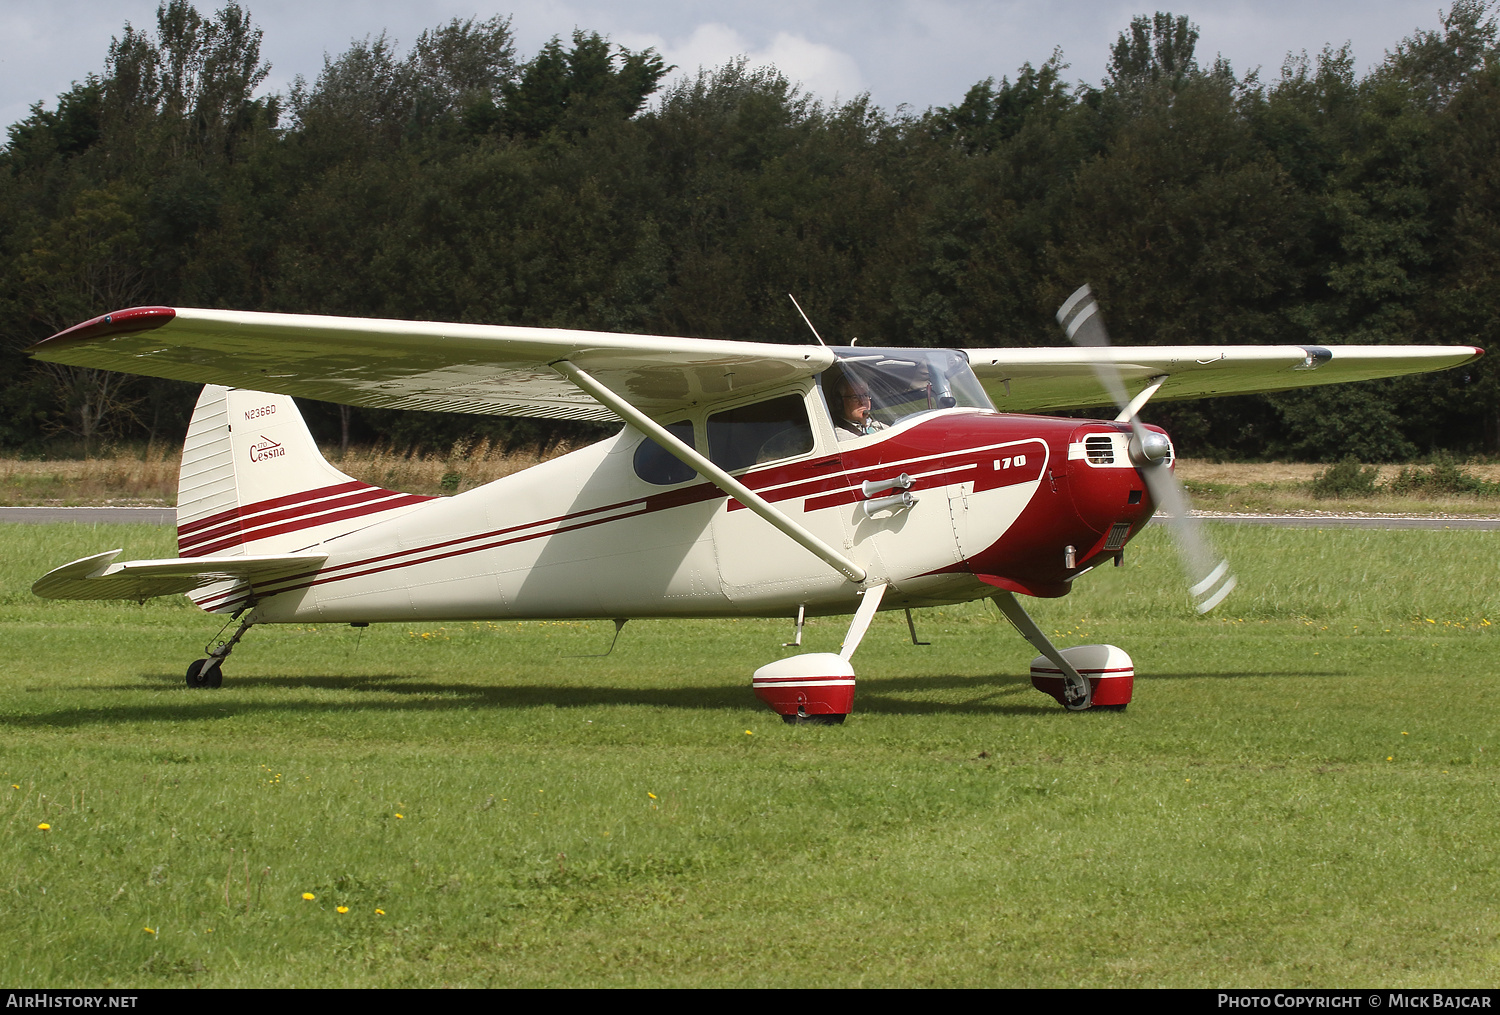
(1304, 791)
(1295, 496)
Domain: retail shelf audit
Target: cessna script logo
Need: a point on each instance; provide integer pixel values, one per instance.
(265, 448)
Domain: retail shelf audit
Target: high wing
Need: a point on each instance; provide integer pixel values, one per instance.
(99, 577)
(474, 368)
(1039, 380)
(508, 371)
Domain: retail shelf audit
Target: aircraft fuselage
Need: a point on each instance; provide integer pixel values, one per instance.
(997, 500)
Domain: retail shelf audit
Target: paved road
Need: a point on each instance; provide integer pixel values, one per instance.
(168, 516)
(91, 515)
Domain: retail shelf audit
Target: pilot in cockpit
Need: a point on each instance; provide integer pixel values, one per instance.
(851, 407)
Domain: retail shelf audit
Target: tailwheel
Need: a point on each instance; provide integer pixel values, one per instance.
(205, 673)
(195, 672)
(208, 672)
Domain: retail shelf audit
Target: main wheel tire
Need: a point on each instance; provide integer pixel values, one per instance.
(195, 673)
(212, 675)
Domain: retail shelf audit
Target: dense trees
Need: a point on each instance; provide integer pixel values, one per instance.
(458, 181)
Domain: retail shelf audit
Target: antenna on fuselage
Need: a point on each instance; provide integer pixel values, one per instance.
(805, 318)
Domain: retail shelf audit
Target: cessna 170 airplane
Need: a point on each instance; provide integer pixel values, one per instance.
(749, 479)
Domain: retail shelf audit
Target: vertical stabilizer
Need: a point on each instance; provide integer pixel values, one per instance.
(253, 481)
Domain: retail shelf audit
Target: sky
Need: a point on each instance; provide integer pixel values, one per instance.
(917, 53)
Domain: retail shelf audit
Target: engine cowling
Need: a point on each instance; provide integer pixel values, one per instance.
(1091, 501)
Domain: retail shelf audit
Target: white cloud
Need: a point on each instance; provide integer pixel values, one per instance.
(820, 69)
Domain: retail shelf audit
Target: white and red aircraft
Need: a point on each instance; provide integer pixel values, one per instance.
(749, 479)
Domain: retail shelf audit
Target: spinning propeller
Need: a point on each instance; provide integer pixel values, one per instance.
(1208, 575)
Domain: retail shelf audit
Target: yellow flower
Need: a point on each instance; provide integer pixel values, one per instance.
(749, 733)
(401, 815)
(1390, 759)
(342, 909)
(309, 896)
(45, 827)
(379, 912)
(651, 794)
(148, 930)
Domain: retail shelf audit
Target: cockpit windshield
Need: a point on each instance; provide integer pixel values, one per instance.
(870, 389)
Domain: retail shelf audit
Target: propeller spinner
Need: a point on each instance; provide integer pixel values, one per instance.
(1208, 574)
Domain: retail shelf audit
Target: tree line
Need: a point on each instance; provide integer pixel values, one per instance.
(457, 181)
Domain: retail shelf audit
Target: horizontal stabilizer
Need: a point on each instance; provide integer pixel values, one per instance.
(99, 577)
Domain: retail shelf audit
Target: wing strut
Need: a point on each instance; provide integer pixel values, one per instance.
(723, 480)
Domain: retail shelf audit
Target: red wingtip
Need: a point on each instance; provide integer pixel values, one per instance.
(1478, 352)
(119, 322)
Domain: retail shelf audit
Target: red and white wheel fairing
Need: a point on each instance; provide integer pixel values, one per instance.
(815, 683)
(1108, 668)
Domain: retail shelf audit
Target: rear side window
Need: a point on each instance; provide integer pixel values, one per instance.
(763, 432)
(655, 464)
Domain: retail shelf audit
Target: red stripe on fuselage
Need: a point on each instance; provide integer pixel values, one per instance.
(775, 483)
(651, 503)
(290, 513)
(311, 522)
(246, 510)
(250, 522)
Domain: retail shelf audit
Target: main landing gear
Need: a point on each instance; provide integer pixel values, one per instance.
(818, 687)
(1081, 678)
(209, 672)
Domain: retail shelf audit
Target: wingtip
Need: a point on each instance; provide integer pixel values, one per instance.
(116, 322)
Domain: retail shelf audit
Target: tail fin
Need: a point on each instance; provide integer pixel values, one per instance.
(253, 481)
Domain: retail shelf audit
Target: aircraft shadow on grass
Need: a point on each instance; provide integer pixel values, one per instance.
(1263, 674)
(992, 696)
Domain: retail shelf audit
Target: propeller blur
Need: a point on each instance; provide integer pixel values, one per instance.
(1208, 575)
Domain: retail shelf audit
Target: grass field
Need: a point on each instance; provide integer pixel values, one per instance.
(1304, 791)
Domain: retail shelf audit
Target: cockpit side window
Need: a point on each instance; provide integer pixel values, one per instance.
(761, 432)
(655, 465)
